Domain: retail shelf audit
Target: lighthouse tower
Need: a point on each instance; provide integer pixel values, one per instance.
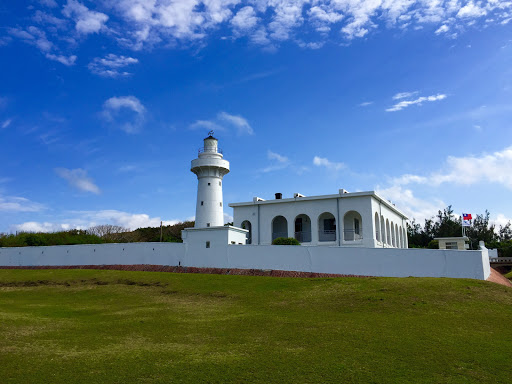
(210, 168)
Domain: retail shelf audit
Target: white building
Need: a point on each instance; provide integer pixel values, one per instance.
(361, 219)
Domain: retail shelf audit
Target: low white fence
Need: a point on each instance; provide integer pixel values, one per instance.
(391, 262)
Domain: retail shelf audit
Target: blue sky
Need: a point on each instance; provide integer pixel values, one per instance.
(104, 103)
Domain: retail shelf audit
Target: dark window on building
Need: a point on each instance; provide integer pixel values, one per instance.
(207, 244)
(202, 202)
(207, 224)
(329, 225)
(209, 184)
(220, 183)
(221, 203)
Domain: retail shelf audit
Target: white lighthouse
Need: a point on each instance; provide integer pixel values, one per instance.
(210, 168)
(209, 230)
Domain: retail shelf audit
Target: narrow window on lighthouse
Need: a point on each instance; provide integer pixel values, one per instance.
(221, 204)
(209, 184)
(220, 183)
(202, 202)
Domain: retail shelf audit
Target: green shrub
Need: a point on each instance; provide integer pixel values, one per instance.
(285, 241)
(433, 244)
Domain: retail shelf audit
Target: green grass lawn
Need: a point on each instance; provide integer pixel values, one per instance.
(71, 326)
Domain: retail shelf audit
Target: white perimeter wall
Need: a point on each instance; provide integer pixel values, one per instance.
(340, 260)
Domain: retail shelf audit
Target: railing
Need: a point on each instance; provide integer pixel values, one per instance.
(327, 235)
(275, 235)
(351, 235)
(500, 260)
(303, 236)
(209, 149)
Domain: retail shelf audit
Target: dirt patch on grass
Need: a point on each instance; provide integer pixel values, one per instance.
(498, 278)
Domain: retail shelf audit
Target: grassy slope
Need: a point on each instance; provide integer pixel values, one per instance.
(126, 327)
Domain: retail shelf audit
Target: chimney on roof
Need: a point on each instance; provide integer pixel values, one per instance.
(279, 196)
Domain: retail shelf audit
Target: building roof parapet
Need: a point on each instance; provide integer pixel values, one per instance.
(342, 195)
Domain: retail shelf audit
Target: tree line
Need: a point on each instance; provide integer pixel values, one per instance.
(96, 235)
(446, 224)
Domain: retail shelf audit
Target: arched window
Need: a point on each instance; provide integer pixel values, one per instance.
(326, 227)
(377, 227)
(383, 229)
(352, 226)
(279, 227)
(388, 233)
(303, 228)
(247, 225)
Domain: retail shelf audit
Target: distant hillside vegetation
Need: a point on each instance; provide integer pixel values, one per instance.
(96, 235)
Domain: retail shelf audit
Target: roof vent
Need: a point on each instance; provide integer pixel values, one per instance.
(342, 191)
(298, 195)
(256, 198)
(279, 196)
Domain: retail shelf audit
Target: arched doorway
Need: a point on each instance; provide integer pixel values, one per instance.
(279, 227)
(303, 228)
(352, 226)
(326, 227)
(247, 225)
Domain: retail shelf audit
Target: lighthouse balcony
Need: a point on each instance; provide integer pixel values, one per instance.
(209, 149)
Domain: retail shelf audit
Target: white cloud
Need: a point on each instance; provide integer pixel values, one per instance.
(49, 3)
(470, 10)
(245, 19)
(126, 111)
(493, 168)
(468, 170)
(278, 162)
(276, 156)
(323, 162)
(239, 122)
(19, 204)
(87, 219)
(365, 104)
(110, 65)
(6, 123)
(78, 179)
(267, 23)
(34, 226)
(66, 60)
(404, 95)
(206, 124)
(327, 16)
(405, 103)
(87, 21)
(442, 29)
(123, 219)
(414, 207)
(33, 36)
